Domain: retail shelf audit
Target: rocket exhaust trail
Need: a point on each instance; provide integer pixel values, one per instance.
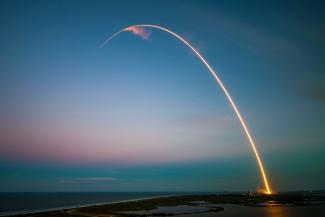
(110, 38)
(225, 91)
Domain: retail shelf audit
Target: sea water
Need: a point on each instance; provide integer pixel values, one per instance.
(15, 203)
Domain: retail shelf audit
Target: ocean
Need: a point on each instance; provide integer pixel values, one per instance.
(16, 203)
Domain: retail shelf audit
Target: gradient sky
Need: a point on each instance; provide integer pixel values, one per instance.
(144, 114)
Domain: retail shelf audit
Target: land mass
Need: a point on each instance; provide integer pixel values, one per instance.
(187, 204)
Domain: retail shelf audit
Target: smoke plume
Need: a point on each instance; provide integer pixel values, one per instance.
(144, 34)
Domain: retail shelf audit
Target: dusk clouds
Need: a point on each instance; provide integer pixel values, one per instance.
(145, 109)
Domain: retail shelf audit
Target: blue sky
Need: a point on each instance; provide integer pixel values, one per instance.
(145, 115)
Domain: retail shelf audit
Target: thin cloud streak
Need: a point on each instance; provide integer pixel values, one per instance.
(88, 180)
(249, 37)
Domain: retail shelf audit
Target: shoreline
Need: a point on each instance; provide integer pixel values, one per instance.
(153, 205)
(17, 213)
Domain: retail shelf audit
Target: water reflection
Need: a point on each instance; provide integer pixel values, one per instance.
(276, 211)
(296, 211)
(231, 210)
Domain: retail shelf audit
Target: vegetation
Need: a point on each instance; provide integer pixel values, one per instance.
(116, 209)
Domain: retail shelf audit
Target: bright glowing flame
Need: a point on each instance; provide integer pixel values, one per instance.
(138, 30)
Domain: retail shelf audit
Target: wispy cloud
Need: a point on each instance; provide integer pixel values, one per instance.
(313, 88)
(207, 121)
(210, 120)
(87, 180)
(253, 38)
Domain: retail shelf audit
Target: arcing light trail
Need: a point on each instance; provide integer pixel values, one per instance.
(137, 29)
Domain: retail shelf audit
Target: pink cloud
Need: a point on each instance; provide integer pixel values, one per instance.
(144, 34)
